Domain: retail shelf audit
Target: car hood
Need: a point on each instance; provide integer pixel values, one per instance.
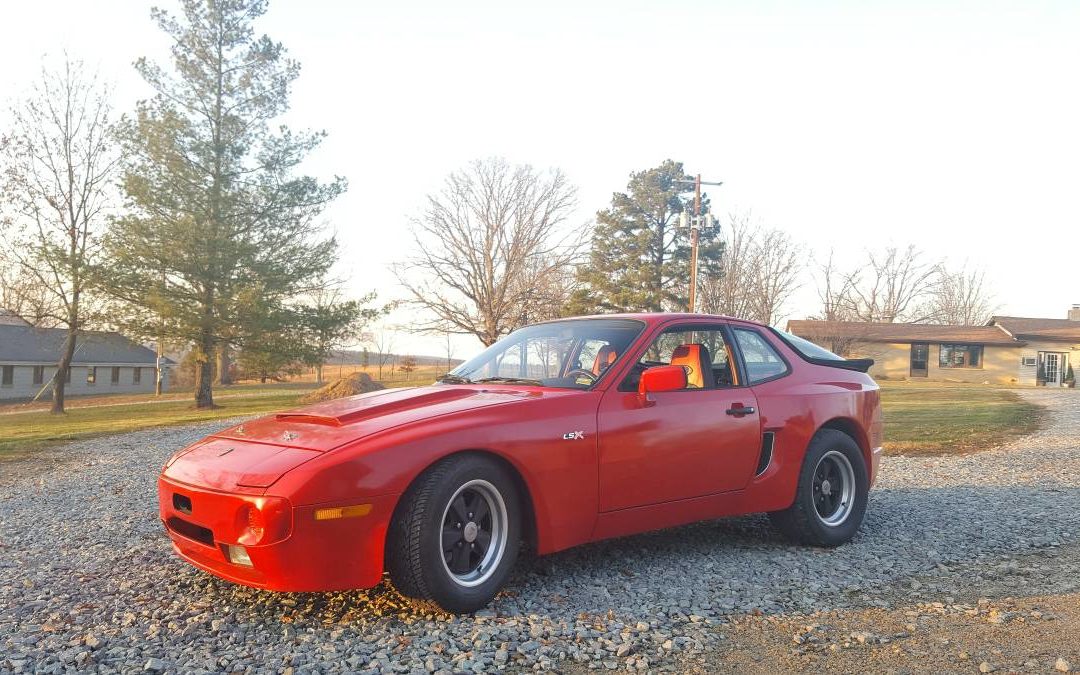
(257, 453)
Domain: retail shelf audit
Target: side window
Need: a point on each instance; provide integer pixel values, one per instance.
(701, 352)
(762, 360)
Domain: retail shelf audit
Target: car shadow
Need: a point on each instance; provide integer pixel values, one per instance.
(737, 565)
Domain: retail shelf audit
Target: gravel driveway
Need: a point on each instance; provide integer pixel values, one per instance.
(88, 581)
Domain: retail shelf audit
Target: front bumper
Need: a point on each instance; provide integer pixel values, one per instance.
(313, 555)
(875, 463)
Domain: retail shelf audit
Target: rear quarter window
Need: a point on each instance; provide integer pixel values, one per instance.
(807, 348)
(762, 360)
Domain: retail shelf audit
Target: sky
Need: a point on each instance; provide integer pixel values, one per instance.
(850, 125)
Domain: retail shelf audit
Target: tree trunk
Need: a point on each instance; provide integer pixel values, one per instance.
(204, 372)
(224, 363)
(159, 374)
(318, 374)
(60, 379)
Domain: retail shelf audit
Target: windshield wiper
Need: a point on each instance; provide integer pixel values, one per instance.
(454, 379)
(510, 380)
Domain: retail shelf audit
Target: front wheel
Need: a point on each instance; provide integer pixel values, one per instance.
(830, 499)
(456, 533)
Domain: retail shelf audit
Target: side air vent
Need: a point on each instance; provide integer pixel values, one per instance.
(767, 440)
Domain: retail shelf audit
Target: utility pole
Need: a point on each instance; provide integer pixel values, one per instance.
(695, 222)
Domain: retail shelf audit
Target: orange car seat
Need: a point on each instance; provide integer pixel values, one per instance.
(605, 356)
(694, 357)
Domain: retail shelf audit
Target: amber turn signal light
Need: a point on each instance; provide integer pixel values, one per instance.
(354, 511)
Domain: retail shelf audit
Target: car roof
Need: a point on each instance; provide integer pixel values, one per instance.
(653, 318)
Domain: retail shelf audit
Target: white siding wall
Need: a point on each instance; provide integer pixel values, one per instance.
(1027, 374)
(23, 387)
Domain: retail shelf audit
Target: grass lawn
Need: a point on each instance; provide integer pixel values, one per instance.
(25, 428)
(22, 433)
(943, 418)
(920, 418)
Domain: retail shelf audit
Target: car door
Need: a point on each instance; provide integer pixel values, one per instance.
(696, 441)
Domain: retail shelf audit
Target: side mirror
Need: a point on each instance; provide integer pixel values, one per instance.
(660, 378)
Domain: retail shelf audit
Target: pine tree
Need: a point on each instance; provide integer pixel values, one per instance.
(639, 258)
(223, 234)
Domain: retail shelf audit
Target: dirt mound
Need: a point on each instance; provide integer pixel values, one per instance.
(357, 383)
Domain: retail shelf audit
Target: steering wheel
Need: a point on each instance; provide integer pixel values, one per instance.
(593, 377)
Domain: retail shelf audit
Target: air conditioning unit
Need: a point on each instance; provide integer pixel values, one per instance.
(1027, 361)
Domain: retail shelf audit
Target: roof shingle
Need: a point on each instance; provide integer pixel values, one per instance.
(25, 344)
(900, 332)
(1039, 329)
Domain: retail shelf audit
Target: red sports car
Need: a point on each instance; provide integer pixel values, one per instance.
(561, 433)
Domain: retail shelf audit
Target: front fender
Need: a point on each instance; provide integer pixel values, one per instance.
(538, 437)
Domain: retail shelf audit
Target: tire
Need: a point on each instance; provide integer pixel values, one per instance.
(477, 501)
(824, 514)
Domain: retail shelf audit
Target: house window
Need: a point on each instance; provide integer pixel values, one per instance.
(115, 379)
(91, 375)
(39, 374)
(136, 375)
(7, 378)
(960, 356)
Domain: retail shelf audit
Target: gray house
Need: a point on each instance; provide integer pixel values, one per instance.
(104, 363)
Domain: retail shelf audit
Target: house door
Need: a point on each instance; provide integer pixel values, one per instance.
(920, 357)
(1051, 368)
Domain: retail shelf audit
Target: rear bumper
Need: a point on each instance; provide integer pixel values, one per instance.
(314, 555)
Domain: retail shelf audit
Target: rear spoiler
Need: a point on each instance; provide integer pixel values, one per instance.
(861, 365)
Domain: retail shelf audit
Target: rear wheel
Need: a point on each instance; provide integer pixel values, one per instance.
(830, 499)
(456, 533)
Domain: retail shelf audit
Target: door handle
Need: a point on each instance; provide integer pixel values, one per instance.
(740, 410)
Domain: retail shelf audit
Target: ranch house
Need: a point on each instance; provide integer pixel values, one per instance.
(1007, 350)
(104, 363)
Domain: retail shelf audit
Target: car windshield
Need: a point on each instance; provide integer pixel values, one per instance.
(571, 354)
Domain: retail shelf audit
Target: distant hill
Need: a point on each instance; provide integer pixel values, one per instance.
(350, 357)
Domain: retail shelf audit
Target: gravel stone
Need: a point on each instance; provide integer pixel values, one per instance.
(88, 580)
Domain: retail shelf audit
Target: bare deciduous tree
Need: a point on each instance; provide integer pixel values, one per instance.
(892, 283)
(779, 264)
(549, 291)
(382, 341)
(959, 298)
(484, 243)
(836, 292)
(59, 162)
(759, 273)
(723, 293)
(448, 337)
(835, 289)
(24, 298)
